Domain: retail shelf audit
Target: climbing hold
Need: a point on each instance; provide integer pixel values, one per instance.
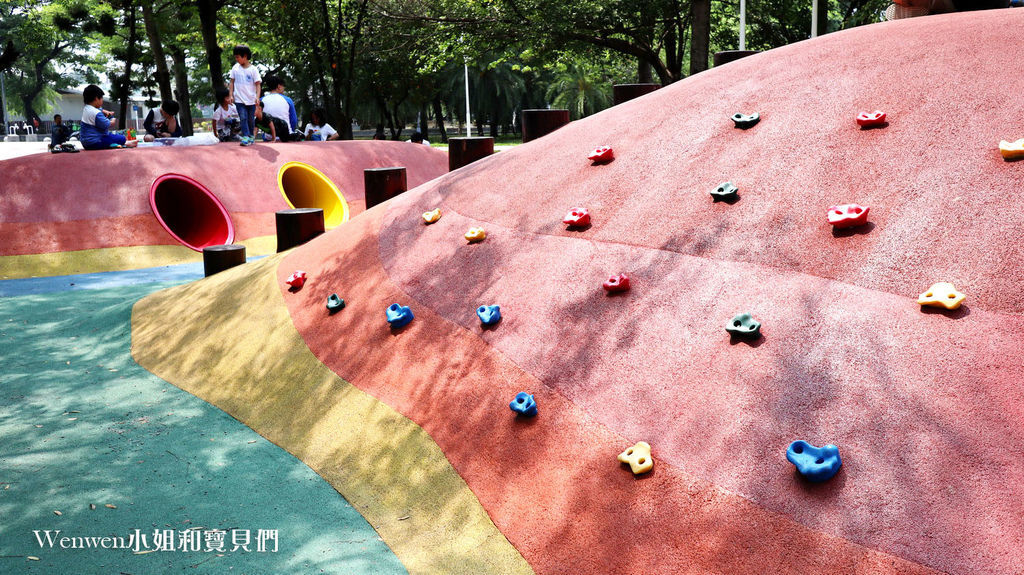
(1012, 150)
(814, 463)
(334, 303)
(725, 191)
(475, 235)
(577, 217)
(869, 119)
(489, 314)
(398, 315)
(744, 121)
(524, 404)
(616, 283)
(848, 215)
(744, 325)
(601, 154)
(638, 457)
(432, 216)
(942, 294)
(296, 280)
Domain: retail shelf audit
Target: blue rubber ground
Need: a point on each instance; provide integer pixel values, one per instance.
(180, 273)
(82, 425)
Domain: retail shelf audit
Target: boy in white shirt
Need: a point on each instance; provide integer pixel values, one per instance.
(244, 89)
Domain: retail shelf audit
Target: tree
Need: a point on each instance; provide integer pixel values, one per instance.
(45, 32)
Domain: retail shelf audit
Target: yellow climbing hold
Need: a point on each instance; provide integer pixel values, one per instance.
(1012, 150)
(638, 457)
(942, 294)
(432, 216)
(476, 235)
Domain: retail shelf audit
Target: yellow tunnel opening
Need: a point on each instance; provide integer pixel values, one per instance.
(304, 186)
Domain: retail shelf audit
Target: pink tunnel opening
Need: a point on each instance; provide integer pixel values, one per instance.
(190, 212)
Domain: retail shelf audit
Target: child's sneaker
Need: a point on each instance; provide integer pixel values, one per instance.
(246, 141)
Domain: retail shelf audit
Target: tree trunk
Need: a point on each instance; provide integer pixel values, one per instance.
(356, 31)
(439, 117)
(208, 27)
(700, 37)
(181, 90)
(163, 76)
(129, 60)
(644, 72)
(424, 127)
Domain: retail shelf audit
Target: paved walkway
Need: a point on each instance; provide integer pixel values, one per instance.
(93, 446)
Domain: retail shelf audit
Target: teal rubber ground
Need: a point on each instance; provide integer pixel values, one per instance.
(83, 426)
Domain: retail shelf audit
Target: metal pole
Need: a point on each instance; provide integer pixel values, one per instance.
(3, 99)
(469, 129)
(814, 19)
(743, 24)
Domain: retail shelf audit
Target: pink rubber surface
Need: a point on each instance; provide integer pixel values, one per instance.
(926, 407)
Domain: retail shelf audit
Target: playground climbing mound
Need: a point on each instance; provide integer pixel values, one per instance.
(924, 403)
(56, 208)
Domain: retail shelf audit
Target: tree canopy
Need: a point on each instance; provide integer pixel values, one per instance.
(388, 63)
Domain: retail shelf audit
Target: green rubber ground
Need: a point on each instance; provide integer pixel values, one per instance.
(82, 425)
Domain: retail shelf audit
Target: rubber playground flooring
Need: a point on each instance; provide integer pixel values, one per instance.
(94, 446)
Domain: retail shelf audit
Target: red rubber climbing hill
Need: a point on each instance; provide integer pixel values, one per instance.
(926, 406)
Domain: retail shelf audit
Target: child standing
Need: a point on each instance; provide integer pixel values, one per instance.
(95, 132)
(225, 117)
(244, 89)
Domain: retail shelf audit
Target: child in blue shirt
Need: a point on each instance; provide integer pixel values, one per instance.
(95, 131)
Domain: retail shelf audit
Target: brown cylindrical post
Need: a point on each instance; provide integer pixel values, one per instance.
(730, 55)
(219, 258)
(537, 123)
(464, 151)
(626, 92)
(298, 226)
(382, 184)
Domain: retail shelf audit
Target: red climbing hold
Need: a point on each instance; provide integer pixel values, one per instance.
(617, 283)
(868, 119)
(848, 215)
(577, 217)
(296, 280)
(601, 154)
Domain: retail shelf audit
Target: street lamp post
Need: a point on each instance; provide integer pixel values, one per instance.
(469, 129)
(814, 19)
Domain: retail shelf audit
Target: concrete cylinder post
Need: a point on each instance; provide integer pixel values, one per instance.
(297, 226)
(382, 184)
(537, 123)
(465, 151)
(219, 258)
(626, 92)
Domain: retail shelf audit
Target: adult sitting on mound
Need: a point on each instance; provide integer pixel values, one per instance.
(163, 121)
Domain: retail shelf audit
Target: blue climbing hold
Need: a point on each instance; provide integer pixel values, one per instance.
(744, 121)
(398, 315)
(524, 404)
(489, 314)
(334, 303)
(814, 463)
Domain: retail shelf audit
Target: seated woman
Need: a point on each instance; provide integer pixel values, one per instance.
(162, 122)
